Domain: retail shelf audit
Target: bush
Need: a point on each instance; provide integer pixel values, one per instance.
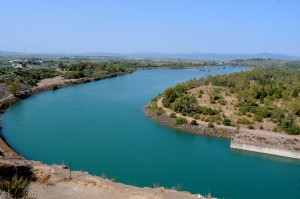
(261, 127)
(180, 121)
(222, 101)
(73, 75)
(250, 126)
(55, 87)
(212, 101)
(244, 121)
(173, 115)
(293, 130)
(209, 111)
(258, 118)
(14, 87)
(210, 125)
(227, 122)
(16, 186)
(196, 116)
(194, 122)
(159, 111)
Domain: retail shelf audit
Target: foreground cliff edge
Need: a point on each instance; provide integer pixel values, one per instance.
(58, 181)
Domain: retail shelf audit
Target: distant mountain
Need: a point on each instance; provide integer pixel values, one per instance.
(215, 56)
(191, 56)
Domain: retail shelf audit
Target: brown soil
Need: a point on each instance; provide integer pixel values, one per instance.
(229, 109)
(54, 182)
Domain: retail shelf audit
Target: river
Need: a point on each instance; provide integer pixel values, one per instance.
(100, 127)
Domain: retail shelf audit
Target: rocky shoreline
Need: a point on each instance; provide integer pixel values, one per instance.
(57, 181)
(169, 122)
(258, 141)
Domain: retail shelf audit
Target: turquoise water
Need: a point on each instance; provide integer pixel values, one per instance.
(101, 128)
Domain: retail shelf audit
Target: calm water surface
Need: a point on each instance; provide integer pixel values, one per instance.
(100, 127)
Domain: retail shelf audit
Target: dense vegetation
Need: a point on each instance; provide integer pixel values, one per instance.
(267, 63)
(264, 93)
(92, 70)
(26, 75)
(177, 99)
(267, 93)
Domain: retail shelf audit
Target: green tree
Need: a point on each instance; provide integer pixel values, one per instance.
(14, 86)
(295, 93)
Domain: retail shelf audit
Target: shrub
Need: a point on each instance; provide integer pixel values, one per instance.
(113, 179)
(16, 186)
(55, 87)
(212, 101)
(159, 111)
(209, 111)
(73, 75)
(244, 121)
(227, 122)
(194, 122)
(222, 101)
(173, 115)
(210, 125)
(180, 121)
(293, 130)
(261, 127)
(258, 118)
(14, 87)
(196, 116)
(250, 126)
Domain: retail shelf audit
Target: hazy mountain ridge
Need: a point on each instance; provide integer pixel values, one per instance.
(192, 56)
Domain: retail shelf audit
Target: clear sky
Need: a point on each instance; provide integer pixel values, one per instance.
(169, 26)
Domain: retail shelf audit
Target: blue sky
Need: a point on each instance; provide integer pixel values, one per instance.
(169, 26)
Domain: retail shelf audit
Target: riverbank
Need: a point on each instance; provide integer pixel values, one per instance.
(57, 181)
(260, 141)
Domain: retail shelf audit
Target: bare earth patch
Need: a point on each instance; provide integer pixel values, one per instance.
(53, 182)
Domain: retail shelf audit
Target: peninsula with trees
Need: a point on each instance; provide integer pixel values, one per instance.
(255, 108)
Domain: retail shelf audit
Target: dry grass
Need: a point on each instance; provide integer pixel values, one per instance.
(229, 110)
